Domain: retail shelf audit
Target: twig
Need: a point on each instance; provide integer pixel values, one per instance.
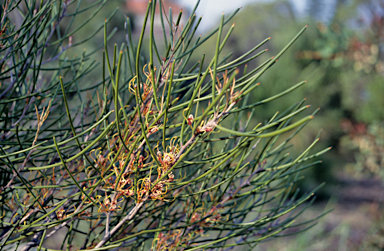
(129, 216)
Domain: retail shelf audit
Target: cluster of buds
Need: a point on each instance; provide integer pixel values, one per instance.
(101, 161)
(168, 158)
(212, 217)
(208, 127)
(235, 96)
(170, 240)
(60, 214)
(128, 192)
(157, 194)
(140, 162)
(160, 189)
(171, 177)
(142, 191)
(110, 205)
(147, 89)
(124, 182)
(190, 119)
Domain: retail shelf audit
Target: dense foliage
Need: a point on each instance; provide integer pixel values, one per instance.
(160, 153)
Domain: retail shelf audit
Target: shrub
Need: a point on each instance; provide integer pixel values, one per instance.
(160, 153)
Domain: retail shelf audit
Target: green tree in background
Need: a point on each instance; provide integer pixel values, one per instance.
(342, 60)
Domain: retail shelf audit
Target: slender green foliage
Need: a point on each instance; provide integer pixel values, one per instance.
(155, 155)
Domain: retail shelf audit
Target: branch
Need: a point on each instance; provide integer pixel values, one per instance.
(129, 216)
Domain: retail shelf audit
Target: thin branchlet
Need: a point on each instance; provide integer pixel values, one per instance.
(137, 158)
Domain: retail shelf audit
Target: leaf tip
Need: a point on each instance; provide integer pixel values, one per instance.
(311, 117)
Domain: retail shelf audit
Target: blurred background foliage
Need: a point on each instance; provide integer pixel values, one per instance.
(342, 57)
(343, 61)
